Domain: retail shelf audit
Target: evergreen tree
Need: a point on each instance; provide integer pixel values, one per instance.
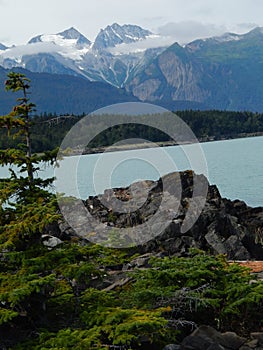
(26, 205)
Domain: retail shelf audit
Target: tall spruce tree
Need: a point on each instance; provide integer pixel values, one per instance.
(26, 208)
(26, 204)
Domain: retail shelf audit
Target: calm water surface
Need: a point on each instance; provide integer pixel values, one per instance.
(235, 166)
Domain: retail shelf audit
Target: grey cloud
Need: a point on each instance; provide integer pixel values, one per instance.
(151, 42)
(31, 49)
(241, 28)
(4, 40)
(186, 31)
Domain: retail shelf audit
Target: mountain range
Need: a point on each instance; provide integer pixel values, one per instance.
(223, 72)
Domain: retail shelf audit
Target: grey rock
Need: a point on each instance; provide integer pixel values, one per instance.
(252, 344)
(193, 342)
(235, 249)
(207, 338)
(216, 346)
(215, 241)
(141, 261)
(231, 340)
(50, 241)
(258, 336)
(172, 347)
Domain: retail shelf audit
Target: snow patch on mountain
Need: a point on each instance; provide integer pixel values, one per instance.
(58, 40)
(69, 44)
(68, 34)
(66, 47)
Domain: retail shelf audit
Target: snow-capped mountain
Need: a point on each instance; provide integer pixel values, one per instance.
(69, 37)
(70, 52)
(69, 43)
(115, 35)
(219, 72)
(52, 53)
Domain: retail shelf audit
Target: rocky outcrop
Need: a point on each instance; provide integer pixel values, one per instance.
(207, 338)
(221, 226)
(171, 76)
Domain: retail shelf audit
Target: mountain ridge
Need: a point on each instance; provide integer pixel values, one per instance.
(221, 72)
(115, 34)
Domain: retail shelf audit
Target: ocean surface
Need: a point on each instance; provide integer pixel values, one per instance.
(235, 166)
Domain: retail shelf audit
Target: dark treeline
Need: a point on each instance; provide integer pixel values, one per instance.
(220, 124)
(48, 130)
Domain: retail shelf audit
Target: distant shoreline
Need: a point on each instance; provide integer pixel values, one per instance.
(147, 145)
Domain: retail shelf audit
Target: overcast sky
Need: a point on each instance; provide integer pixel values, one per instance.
(184, 20)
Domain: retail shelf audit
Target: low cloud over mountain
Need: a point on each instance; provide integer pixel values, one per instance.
(215, 71)
(186, 31)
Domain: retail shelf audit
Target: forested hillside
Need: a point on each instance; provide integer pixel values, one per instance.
(49, 130)
(61, 93)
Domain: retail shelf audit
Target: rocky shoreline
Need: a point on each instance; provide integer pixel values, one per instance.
(222, 227)
(135, 146)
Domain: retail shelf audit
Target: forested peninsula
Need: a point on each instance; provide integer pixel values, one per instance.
(49, 130)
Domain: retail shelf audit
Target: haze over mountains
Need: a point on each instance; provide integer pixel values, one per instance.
(222, 72)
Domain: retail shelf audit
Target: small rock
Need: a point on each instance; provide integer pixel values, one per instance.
(232, 340)
(50, 241)
(258, 336)
(172, 347)
(141, 261)
(252, 344)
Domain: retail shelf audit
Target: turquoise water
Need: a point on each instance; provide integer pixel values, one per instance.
(235, 166)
